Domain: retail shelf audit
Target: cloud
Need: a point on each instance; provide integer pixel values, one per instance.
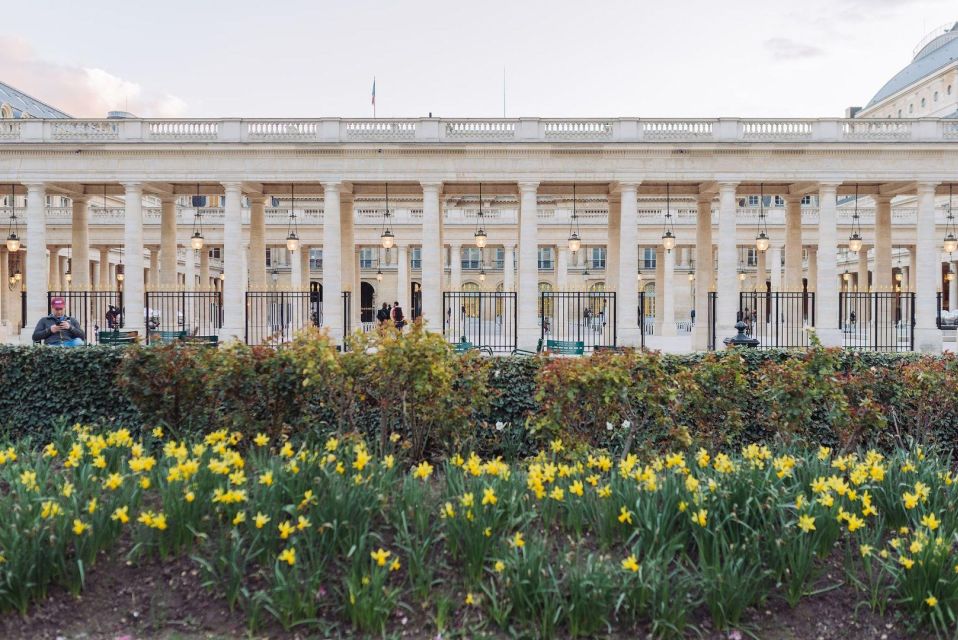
(788, 49)
(80, 91)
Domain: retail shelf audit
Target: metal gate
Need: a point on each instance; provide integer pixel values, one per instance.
(192, 313)
(275, 317)
(641, 318)
(946, 319)
(877, 321)
(578, 316)
(94, 311)
(485, 319)
(778, 319)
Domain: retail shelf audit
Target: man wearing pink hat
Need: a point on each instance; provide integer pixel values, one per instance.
(59, 329)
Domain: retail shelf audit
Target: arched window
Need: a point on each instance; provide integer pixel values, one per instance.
(471, 302)
(649, 310)
(598, 301)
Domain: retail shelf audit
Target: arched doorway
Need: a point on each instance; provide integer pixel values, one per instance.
(649, 298)
(416, 306)
(470, 303)
(367, 299)
(546, 304)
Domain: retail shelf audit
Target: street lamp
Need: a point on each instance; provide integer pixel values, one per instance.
(387, 237)
(13, 240)
(951, 239)
(196, 240)
(480, 234)
(292, 238)
(761, 240)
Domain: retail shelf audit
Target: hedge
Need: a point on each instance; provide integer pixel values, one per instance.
(500, 406)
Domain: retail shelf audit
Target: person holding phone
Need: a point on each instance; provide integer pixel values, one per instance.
(58, 329)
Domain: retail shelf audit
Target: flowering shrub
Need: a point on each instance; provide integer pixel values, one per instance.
(567, 544)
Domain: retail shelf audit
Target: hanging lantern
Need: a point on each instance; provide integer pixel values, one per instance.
(379, 275)
(482, 275)
(951, 239)
(855, 240)
(292, 238)
(668, 238)
(480, 234)
(13, 240)
(691, 277)
(575, 241)
(761, 240)
(387, 237)
(196, 240)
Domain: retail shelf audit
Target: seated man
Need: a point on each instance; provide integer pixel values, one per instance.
(59, 329)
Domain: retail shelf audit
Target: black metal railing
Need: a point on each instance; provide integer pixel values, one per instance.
(578, 316)
(191, 313)
(877, 321)
(641, 317)
(711, 318)
(777, 319)
(275, 317)
(94, 311)
(946, 319)
(484, 319)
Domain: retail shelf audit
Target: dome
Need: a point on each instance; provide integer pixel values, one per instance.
(937, 50)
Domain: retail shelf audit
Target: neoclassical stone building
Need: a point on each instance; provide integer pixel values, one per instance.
(655, 219)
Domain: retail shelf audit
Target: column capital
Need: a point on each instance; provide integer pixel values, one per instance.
(525, 186)
(257, 199)
(131, 187)
(829, 185)
(793, 198)
(726, 186)
(82, 198)
(624, 185)
(34, 186)
(431, 185)
(232, 186)
(168, 198)
(881, 199)
(926, 187)
(332, 186)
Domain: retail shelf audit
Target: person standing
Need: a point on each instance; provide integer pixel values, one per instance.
(397, 316)
(58, 329)
(382, 316)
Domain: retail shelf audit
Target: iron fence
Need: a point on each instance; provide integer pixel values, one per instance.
(193, 313)
(877, 321)
(275, 317)
(947, 320)
(778, 319)
(485, 319)
(710, 318)
(578, 316)
(94, 311)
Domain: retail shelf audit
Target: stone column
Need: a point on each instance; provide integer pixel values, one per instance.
(295, 272)
(53, 265)
(80, 243)
(703, 270)
(912, 269)
(304, 266)
(403, 291)
(6, 295)
(189, 278)
(927, 266)
(793, 243)
(234, 282)
(562, 268)
(154, 281)
(761, 271)
(882, 279)
(105, 283)
(257, 243)
(529, 330)
(863, 284)
(205, 282)
(727, 281)
(167, 245)
(659, 288)
(952, 286)
(628, 316)
(826, 268)
(333, 320)
(775, 265)
(668, 296)
(612, 274)
(812, 276)
(455, 267)
(133, 294)
(508, 267)
(350, 265)
(431, 254)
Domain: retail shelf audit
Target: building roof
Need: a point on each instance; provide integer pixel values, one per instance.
(27, 106)
(937, 53)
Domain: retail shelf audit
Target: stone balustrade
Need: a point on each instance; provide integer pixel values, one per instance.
(436, 130)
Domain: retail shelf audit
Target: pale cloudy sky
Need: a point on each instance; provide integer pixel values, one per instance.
(575, 58)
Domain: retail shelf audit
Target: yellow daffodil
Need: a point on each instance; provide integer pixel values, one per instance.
(422, 471)
(380, 556)
(288, 556)
(630, 564)
(806, 523)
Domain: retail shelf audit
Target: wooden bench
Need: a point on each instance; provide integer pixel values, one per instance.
(118, 338)
(565, 347)
(165, 337)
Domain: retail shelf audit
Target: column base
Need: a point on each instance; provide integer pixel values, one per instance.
(232, 333)
(700, 337)
(628, 337)
(928, 340)
(528, 338)
(829, 336)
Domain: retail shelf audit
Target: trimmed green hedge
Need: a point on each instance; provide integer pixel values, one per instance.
(507, 406)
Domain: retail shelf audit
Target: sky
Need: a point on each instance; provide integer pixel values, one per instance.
(558, 58)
